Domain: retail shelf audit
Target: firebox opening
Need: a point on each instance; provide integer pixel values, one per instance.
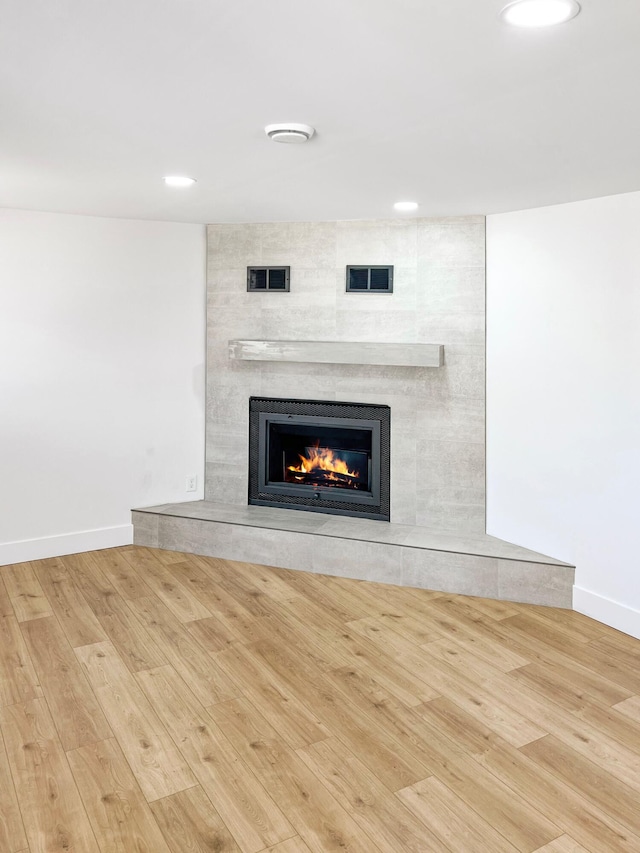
(323, 456)
(320, 457)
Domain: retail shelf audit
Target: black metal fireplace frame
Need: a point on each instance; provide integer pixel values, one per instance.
(265, 410)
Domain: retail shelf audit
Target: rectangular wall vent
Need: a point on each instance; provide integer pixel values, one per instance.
(369, 279)
(261, 279)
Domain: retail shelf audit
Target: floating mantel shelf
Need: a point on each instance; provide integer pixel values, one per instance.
(337, 352)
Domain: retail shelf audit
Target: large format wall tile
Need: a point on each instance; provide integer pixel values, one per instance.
(455, 242)
(465, 574)
(457, 464)
(450, 508)
(145, 529)
(463, 374)
(237, 245)
(229, 403)
(452, 290)
(351, 558)
(461, 328)
(359, 323)
(226, 444)
(459, 417)
(279, 547)
(306, 245)
(195, 537)
(377, 241)
(290, 322)
(530, 583)
(227, 483)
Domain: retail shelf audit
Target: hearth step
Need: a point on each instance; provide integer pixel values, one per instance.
(427, 558)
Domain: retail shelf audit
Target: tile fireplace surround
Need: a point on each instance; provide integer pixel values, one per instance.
(436, 536)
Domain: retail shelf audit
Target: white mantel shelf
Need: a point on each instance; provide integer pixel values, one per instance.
(339, 352)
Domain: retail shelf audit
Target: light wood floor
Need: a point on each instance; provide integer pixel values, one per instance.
(152, 701)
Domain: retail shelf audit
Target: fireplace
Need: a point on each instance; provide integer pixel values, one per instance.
(320, 456)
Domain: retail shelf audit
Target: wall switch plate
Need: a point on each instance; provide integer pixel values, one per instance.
(192, 484)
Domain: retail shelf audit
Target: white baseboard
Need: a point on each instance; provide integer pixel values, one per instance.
(605, 610)
(67, 543)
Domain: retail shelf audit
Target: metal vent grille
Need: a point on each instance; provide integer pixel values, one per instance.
(369, 279)
(263, 279)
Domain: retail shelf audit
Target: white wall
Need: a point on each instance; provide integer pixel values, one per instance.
(102, 348)
(563, 394)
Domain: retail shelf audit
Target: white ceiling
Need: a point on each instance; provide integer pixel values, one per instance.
(432, 100)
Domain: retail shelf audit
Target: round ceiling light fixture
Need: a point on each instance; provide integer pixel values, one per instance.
(178, 181)
(405, 206)
(539, 13)
(290, 132)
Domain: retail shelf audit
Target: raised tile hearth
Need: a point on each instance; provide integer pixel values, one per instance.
(401, 554)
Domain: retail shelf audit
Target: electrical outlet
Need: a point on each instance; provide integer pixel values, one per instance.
(192, 484)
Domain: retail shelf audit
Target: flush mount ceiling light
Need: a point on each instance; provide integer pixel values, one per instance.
(178, 181)
(290, 132)
(405, 205)
(539, 13)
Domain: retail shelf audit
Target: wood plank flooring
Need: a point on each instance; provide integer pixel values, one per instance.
(158, 702)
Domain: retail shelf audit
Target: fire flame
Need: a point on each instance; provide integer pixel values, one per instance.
(323, 458)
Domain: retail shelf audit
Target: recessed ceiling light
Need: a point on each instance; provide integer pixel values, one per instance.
(291, 132)
(405, 205)
(178, 181)
(539, 13)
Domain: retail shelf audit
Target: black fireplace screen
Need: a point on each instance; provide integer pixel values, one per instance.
(319, 455)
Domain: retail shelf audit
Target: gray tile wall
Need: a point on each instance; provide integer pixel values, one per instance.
(437, 453)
